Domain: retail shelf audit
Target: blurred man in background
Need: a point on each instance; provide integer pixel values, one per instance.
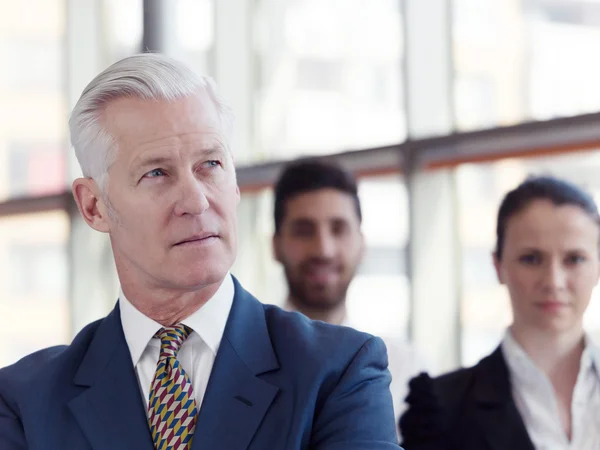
(319, 242)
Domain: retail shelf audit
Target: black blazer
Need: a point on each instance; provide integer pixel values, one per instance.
(470, 409)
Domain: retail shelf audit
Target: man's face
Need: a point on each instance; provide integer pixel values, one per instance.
(320, 246)
(172, 195)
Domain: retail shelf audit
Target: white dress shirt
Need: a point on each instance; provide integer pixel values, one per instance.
(536, 402)
(198, 352)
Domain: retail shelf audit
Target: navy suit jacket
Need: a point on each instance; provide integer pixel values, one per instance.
(280, 381)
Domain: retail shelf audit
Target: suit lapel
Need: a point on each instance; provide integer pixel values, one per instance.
(237, 398)
(496, 414)
(110, 412)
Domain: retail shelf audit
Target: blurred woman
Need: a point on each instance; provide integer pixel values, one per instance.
(540, 389)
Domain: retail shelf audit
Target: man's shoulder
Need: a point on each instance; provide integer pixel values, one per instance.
(40, 367)
(311, 332)
(299, 337)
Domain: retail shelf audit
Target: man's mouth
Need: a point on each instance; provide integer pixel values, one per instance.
(198, 239)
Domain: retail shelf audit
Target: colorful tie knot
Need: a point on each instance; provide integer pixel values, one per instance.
(171, 339)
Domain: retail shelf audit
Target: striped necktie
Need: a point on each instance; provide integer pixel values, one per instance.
(172, 407)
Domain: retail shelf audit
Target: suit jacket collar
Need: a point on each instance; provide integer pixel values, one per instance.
(237, 398)
(492, 380)
(111, 410)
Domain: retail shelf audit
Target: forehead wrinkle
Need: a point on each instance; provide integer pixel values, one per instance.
(167, 153)
(192, 138)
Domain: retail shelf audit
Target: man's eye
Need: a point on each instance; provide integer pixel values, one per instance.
(302, 232)
(213, 163)
(155, 173)
(530, 259)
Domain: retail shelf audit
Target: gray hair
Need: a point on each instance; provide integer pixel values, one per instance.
(146, 76)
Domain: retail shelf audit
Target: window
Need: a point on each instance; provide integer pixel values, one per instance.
(37, 269)
(33, 283)
(36, 168)
(319, 74)
(123, 28)
(33, 109)
(329, 76)
(378, 298)
(40, 69)
(519, 61)
(33, 113)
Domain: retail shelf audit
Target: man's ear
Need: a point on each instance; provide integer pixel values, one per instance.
(90, 204)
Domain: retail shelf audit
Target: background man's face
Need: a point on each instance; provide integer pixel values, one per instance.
(320, 246)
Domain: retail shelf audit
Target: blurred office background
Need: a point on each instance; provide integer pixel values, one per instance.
(439, 106)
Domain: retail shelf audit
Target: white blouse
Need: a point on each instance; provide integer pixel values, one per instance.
(536, 402)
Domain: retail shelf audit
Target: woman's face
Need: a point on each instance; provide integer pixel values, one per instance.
(550, 265)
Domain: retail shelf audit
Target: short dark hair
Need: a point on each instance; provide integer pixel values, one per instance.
(310, 175)
(555, 190)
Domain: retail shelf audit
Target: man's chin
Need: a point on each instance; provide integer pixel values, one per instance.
(323, 301)
(197, 279)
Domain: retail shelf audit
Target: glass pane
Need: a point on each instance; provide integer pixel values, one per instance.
(254, 266)
(486, 309)
(194, 33)
(516, 61)
(33, 283)
(378, 298)
(329, 76)
(191, 38)
(32, 98)
(122, 28)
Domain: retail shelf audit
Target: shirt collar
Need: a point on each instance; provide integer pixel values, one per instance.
(521, 366)
(208, 322)
(591, 355)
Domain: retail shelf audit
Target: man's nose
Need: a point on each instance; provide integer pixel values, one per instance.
(324, 245)
(191, 197)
